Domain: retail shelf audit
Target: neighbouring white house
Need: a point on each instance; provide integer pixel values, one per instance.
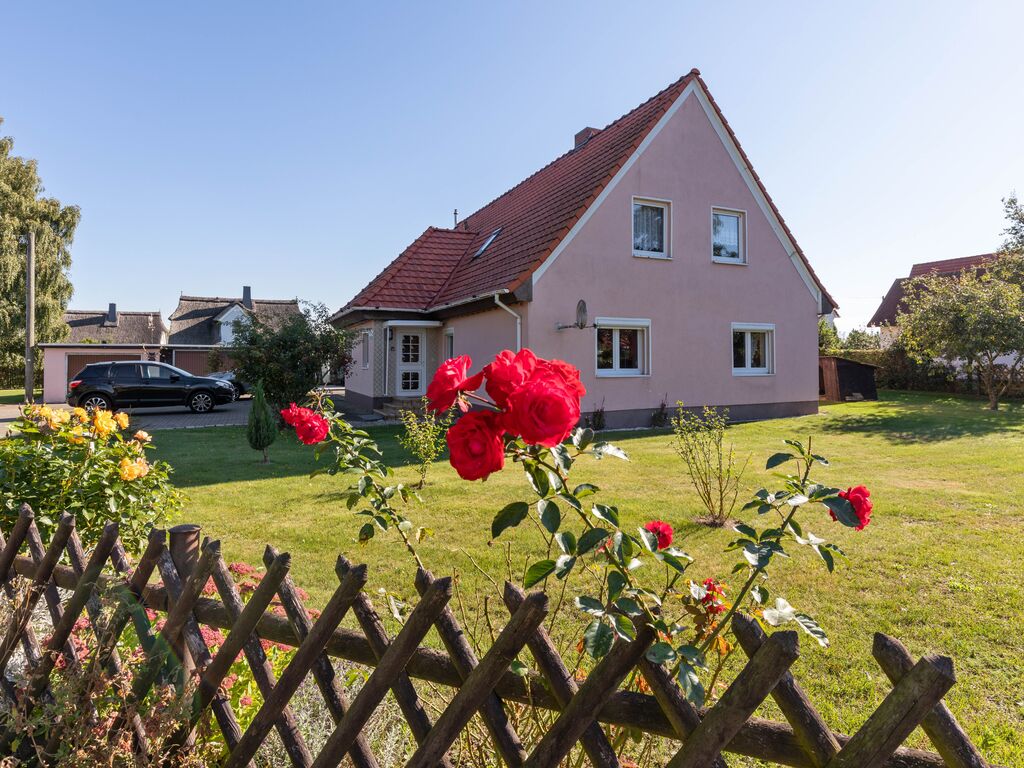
(649, 255)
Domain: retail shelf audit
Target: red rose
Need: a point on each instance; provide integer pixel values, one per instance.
(858, 496)
(312, 428)
(292, 414)
(544, 410)
(507, 373)
(475, 446)
(451, 378)
(713, 594)
(662, 530)
(570, 374)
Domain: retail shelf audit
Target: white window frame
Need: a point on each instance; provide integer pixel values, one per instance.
(654, 202)
(366, 348)
(742, 214)
(624, 323)
(769, 330)
(448, 351)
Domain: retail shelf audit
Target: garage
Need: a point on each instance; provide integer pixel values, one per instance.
(62, 361)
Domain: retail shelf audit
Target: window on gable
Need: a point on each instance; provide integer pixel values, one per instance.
(728, 233)
(650, 228)
(753, 349)
(623, 347)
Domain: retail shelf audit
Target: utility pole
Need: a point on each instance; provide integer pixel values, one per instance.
(30, 316)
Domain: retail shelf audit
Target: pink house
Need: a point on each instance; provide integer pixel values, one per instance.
(650, 256)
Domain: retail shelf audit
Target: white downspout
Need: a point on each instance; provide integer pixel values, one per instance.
(517, 316)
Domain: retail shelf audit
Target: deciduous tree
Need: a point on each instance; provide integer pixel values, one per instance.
(24, 209)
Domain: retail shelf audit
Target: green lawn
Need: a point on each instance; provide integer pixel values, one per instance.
(939, 567)
(16, 396)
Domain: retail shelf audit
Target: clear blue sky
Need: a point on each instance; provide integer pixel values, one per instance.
(298, 147)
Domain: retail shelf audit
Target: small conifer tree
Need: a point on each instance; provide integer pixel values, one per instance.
(262, 430)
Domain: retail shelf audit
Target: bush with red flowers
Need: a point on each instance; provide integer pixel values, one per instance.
(527, 414)
(310, 427)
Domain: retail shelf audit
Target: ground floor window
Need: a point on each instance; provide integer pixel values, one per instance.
(753, 349)
(449, 344)
(365, 349)
(623, 347)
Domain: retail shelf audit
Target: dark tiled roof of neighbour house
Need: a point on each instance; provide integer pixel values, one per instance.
(193, 321)
(446, 266)
(892, 302)
(90, 326)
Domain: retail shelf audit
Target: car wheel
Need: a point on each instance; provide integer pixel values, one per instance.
(235, 392)
(96, 402)
(201, 402)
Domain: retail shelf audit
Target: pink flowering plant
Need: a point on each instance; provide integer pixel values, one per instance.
(527, 415)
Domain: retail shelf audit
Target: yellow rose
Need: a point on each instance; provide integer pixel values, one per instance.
(142, 466)
(130, 470)
(81, 414)
(121, 419)
(44, 412)
(103, 422)
(142, 436)
(58, 419)
(77, 434)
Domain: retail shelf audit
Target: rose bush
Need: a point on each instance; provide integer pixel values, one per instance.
(529, 417)
(88, 464)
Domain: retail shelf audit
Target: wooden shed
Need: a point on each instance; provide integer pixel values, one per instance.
(841, 379)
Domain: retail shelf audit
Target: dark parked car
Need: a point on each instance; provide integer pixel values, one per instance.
(232, 378)
(143, 384)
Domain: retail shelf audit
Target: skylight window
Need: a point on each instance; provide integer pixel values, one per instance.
(487, 242)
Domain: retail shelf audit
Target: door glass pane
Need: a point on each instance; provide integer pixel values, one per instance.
(410, 381)
(739, 349)
(604, 348)
(758, 350)
(126, 372)
(410, 348)
(156, 372)
(726, 236)
(648, 228)
(629, 348)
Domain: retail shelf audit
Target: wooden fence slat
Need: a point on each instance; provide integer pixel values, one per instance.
(29, 642)
(751, 687)
(50, 595)
(383, 676)
(907, 704)
(43, 570)
(192, 636)
(562, 684)
(940, 726)
(18, 534)
(480, 683)
(492, 712)
(677, 708)
(132, 590)
(298, 668)
(808, 725)
(40, 678)
(403, 690)
(94, 608)
(602, 681)
(323, 670)
(239, 639)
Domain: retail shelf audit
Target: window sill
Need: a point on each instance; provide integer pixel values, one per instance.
(621, 375)
(734, 262)
(651, 255)
(748, 372)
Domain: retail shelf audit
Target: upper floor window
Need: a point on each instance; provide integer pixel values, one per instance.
(728, 236)
(623, 347)
(753, 349)
(650, 228)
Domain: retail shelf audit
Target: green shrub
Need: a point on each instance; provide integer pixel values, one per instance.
(60, 461)
(714, 472)
(423, 436)
(262, 429)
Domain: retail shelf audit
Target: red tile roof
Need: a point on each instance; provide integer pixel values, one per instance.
(442, 267)
(892, 302)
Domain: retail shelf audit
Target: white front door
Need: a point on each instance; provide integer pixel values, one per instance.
(412, 364)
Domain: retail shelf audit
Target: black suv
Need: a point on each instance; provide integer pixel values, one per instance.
(144, 384)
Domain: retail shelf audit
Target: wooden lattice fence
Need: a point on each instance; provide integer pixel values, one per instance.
(481, 685)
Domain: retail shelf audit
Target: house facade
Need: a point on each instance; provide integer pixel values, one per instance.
(886, 317)
(201, 325)
(650, 256)
(97, 336)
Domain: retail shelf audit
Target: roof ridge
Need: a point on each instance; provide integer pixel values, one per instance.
(120, 311)
(568, 152)
(228, 299)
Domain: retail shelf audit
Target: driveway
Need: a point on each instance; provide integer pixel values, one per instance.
(152, 419)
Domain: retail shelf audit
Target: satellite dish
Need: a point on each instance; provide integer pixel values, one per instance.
(581, 314)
